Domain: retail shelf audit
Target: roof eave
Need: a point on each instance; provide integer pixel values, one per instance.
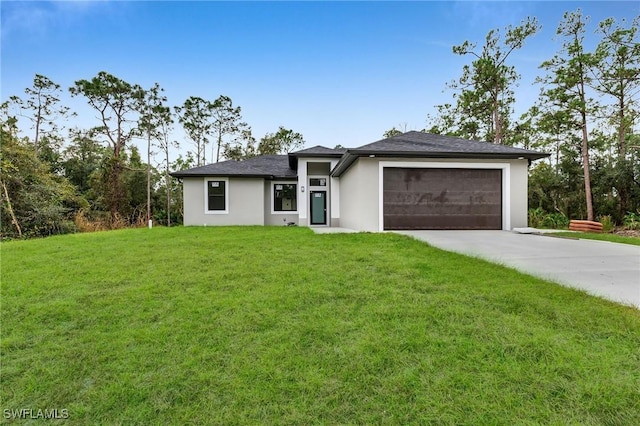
(249, 175)
(350, 157)
(316, 155)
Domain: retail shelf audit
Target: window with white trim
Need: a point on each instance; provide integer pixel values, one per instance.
(216, 196)
(285, 197)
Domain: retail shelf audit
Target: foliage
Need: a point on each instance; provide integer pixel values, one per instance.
(617, 75)
(34, 202)
(42, 108)
(392, 132)
(155, 122)
(607, 223)
(195, 115)
(227, 122)
(117, 102)
(596, 158)
(565, 87)
(272, 325)
(632, 220)
(242, 147)
(484, 93)
(281, 142)
(538, 218)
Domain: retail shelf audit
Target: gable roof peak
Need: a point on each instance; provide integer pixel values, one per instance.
(319, 150)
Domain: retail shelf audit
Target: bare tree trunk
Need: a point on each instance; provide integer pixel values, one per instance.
(585, 147)
(148, 176)
(14, 220)
(496, 119)
(585, 165)
(623, 189)
(167, 179)
(218, 151)
(36, 139)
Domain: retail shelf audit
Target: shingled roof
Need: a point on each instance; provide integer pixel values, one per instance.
(410, 144)
(265, 166)
(320, 151)
(420, 144)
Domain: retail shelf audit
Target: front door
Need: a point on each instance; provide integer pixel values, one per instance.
(318, 207)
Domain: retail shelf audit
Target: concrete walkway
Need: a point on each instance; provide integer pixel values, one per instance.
(331, 230)
(604, 269)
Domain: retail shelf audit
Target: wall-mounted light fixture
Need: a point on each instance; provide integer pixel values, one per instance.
(302, 188)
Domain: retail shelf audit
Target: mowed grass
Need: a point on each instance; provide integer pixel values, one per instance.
(253, 325)
(612, 238)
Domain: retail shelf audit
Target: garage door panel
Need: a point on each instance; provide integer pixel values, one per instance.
(442, 198)
(426, 210)
(408, 222)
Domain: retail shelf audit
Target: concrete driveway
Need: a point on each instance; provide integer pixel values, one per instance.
(608, 270)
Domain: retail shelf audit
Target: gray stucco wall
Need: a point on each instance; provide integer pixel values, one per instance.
(359, 196)
(246, 196)
(519, 193)
(359, 200)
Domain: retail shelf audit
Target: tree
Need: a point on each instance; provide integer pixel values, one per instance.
(177, 210)
(227, 121)
(281, 142)
(196, 115)
(42, 108)
(484, 97)
(116, 102)
(166, 125)
(565, 87)
(616, 71)
(8, 122)
(82, 158)
(155, 122)
(33, 201)
(242, 147)
(391, 132)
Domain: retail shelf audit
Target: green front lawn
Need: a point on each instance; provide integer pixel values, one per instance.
(282, 326)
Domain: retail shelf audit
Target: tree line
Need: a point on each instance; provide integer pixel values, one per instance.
(586, 115)
(97, 178)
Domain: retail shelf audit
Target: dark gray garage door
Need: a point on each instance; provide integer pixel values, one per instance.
(442, 198)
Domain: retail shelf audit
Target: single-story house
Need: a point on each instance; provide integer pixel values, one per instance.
(414, 180)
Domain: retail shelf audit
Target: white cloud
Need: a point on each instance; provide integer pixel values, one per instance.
(487, 15)
(37, 18)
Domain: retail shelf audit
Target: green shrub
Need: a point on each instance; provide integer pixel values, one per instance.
(631, 220)
(535, 217)
(538, 218)
(555, 221)
(607, 223)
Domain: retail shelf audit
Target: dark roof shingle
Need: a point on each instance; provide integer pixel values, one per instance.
(429, 145)
(269, 166)
(319, 151)
(420, 142)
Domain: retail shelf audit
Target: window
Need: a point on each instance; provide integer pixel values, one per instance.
(216, 195)
(317, 182)
(285, 197)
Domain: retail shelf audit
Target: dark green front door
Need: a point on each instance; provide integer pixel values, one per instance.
(318, 207)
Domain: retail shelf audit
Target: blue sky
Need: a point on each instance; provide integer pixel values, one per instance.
(337, 72)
